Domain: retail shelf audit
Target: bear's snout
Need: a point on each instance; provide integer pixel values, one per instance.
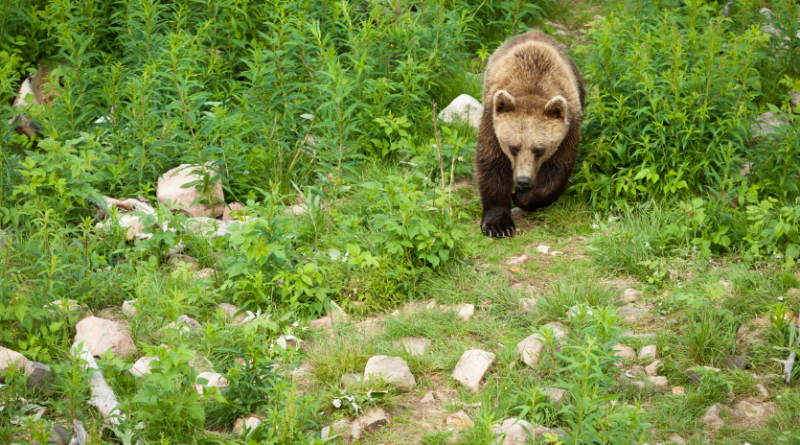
(523, 181)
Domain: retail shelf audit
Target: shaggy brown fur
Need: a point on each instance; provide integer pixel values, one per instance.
(529, 132)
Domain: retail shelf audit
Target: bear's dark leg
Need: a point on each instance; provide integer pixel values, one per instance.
(550, 184)
(494, 184)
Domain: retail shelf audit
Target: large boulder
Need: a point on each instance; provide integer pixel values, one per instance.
(463, 108)
(99, 335)
(171, 193)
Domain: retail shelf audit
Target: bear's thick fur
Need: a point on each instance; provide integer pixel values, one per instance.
(533, 101)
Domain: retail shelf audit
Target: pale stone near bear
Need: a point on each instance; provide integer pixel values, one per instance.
(229, 213)
(129, 307)
(99, 335)
(624, 352)
(393, 370)
(648, 351)
(465, 311)
(529, 349)
(14, 360)
(659, 381)
(471, 367)
(249, 422)
(372, 420)
(413, 345)
(337, 314)
(463, 108)
(516, 432)
(170, 193)
(214, 380)
(142, 366)
(459, 420)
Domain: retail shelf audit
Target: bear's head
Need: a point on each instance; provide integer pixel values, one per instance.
(530, 130)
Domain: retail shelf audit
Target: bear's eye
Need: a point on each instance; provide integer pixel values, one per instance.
(514, 149)
(538, 152)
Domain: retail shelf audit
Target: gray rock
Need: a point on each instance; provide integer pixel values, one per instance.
(214, 380)
(769, 123)
(763, 390)
(229, 213)
(40, 377)
(631, 295)
(464, 108)
(631, 314)
(465, 311)
(171, 193)
(530, 348)
(649, 351)
(737, 362)
(372, 420)
(250, 423)
(10, 359)
(471, 368)
(712, 418)
(677, 440)
(556, 395)
(652, 368)
(324, 322)
(513, 432)
(178, 261)
(659, 381)
(351, 379)
(412, 345)
(795, 101)
(459, 420)
(129, 307)
(393, 370)
(189, 321)
(337, 314)
(429, 398)
(232, 312)
(99, 335)
(142, 366)
(625, 352)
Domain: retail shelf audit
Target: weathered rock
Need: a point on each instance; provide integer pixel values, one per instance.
(129, 307)
(250, 423)
(189, 321)
(517, 260)
(530, 348)
(232, 312)
(324, 322)
(337, 314)
(659, 381)
(712, 418)
(178, 261)
(39, 377)
(768, 124)
(631, 295)
(412, 345)
(288, 341)
(393, 370)
(342, 428)
(132, 223)
(752, 333)
(763, 390)
(625, 352)
(351, 379)
(543, 249)
(795, 101)
(556, 395)
(752, 410)
(677, 440)
(459, 420)
(142, 366)
(372, 420)
(429, 398)
(471, 368)
(518, 212)
(652, 368)
(214, 380)
(99, 335)
(631, 314)
(171, 193)
(231, 211)
(297, 209)
(556, 253)
(513, 432)
(678, 390)
(465, 311)
(68, 305)
(737, 362)
(205, 274)
(58, 436)
(649, 351)
(463, 108)
(14, 360)
(528, 304)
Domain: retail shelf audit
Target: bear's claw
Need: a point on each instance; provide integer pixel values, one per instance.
(498, 230)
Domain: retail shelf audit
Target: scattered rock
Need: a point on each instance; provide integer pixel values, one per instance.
(556, 253)
(631, 314)
(324, 322)
(351, 379)
(178, 261)
(393, 370)
(518, 212)
(712, 419)
(13, 360)
(427, 426)
(297, 209)
(463, 108)
(99, 335)
(737, 362)
(652, 368)
(513, 432)
(372, 420)
(459, 420)
(142, 366)
(250, 423)
(189, 321)
(647, 352)
(232, 312)
(68, 305)
(214, 380)
(231, 211)
(134, 225)
(516, 260)
(631, 295)
(768, 124)
(428, 398)
(556, 395)
(763, 390)
(129, 307)
(528, 304)
(465, 311)
(752, 333)
(412, 345)
(543, 249)
(171, 193)
(678, 390)
(795, 101)
(39, 377)
(471, 368)
(287, 341)
(337, 314)
(624, 352)
(752, 410)
(342, 428)
(205, 274)
(659, 381)
(676, 439)
(575, 310)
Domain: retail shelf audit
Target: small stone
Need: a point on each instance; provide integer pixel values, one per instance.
(351, 379)
(231, 211)
(795, 101)
(712, 419)
(556, 395)
(678, 390)
(624, 352)
(393, 370)
(737, 362)
(750, 410)
(189, 321)
(631, 295)
(232, 312)
(659, 381)
(427, 426)
(412, 345)
(556, 253)
(129, 307)
(648, 352)
(214, 380)
(287, 341)
(170, 191)
(142, 366)
(631, 314)
(513, 432)
(769, 123)
(530, 348)
(68, 305)
(180, 260)
(518, 212)
(342, 428)
(763, 390)
(517, 260)
(205, 274)
(372, 420)
(575, 310)
(428, 398)
(337, 314)
(324, 322)
(10, 359)
(471, 368)
(459, 420)
(543, 249)
(39, 377)
(652, 368)
(463, 108)
(676, 439)
(99, 335)
(465, 311)
(250, 423)
(693, 376)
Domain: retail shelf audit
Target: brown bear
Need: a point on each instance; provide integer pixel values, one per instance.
(533, 100)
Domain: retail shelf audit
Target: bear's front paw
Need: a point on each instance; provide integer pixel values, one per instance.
(498, 225)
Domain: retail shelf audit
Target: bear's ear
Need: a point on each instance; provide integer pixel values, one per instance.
(504, 102)
(556, 108)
